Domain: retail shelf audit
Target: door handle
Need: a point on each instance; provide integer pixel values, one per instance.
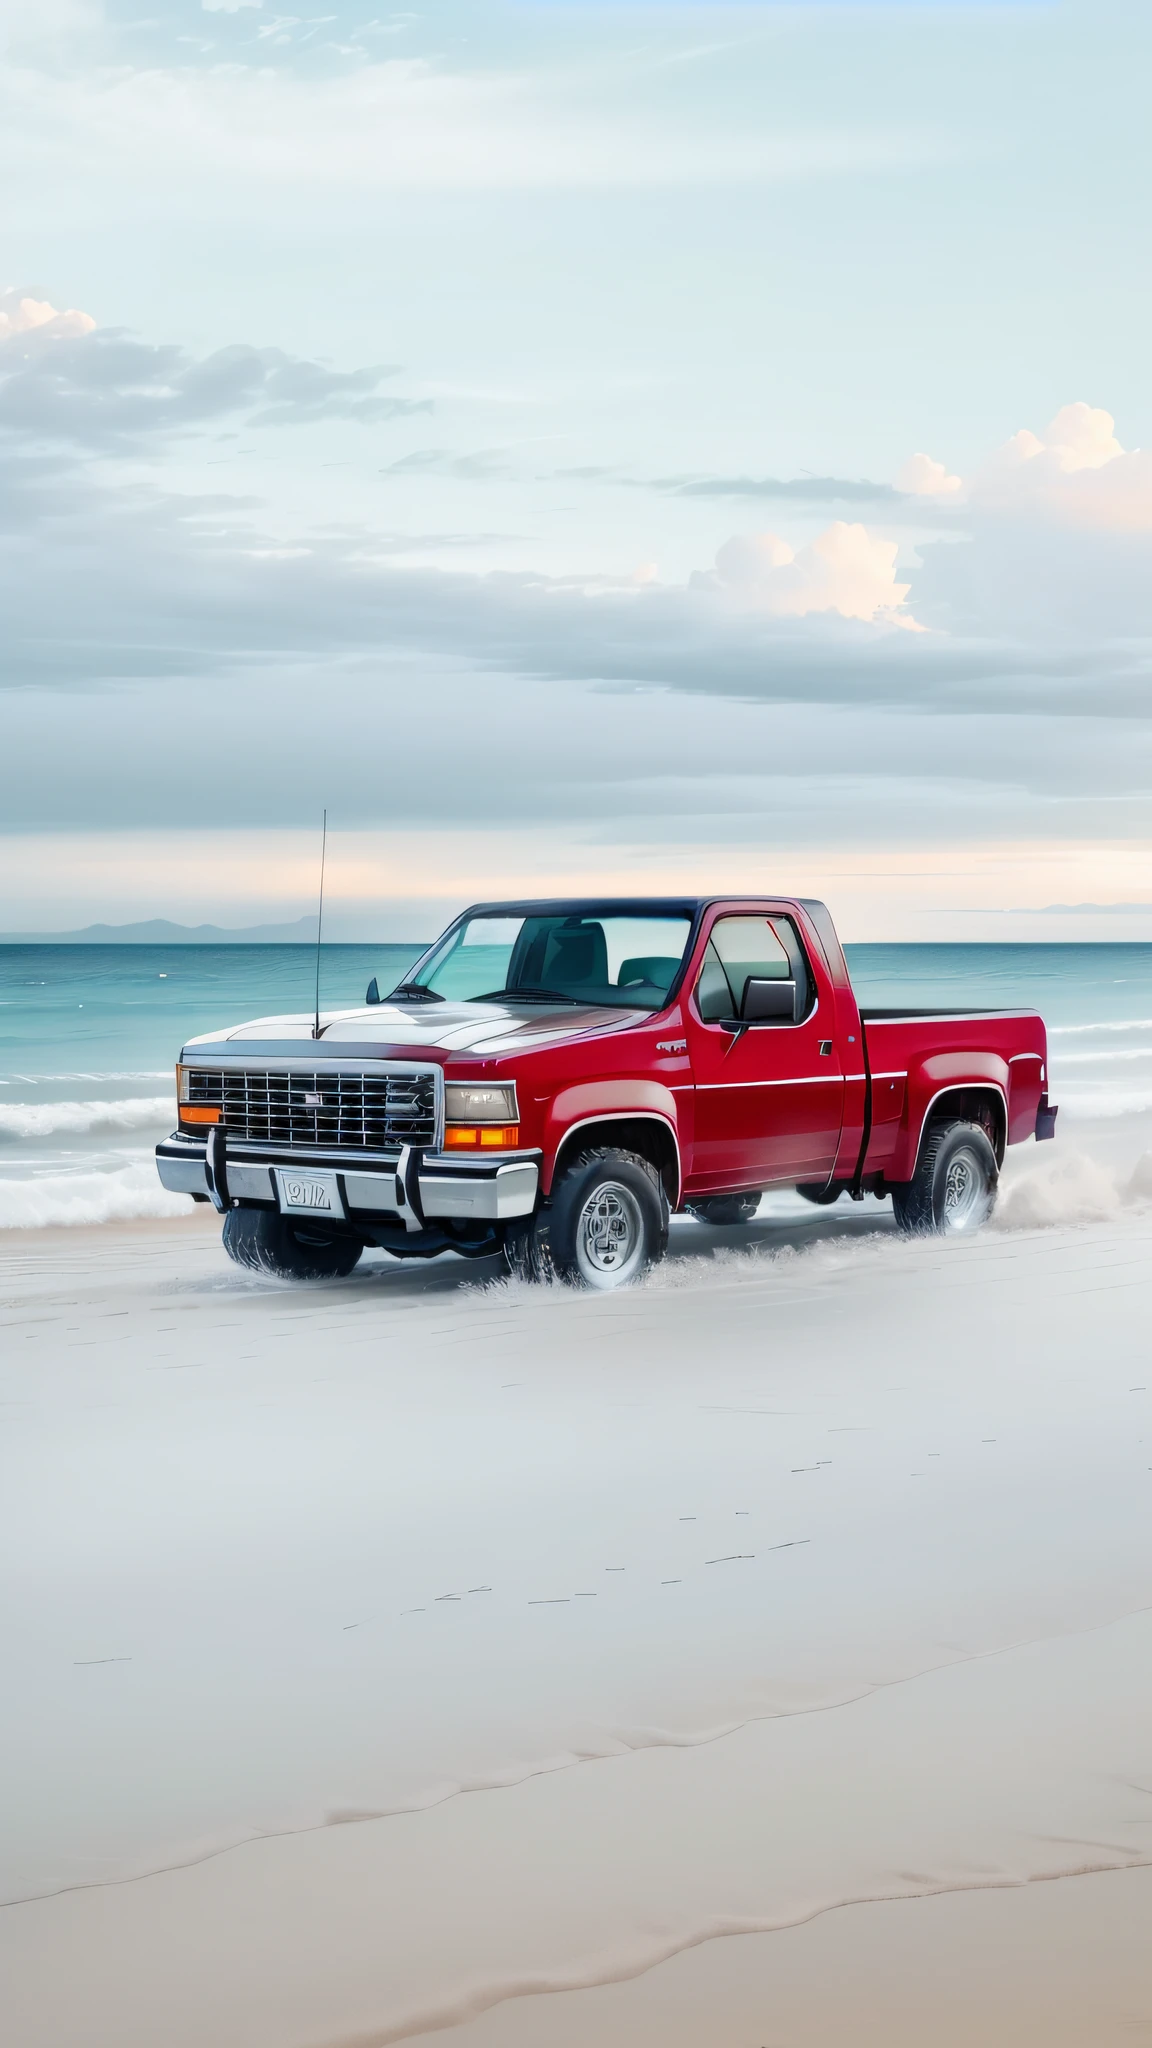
(825, 1048)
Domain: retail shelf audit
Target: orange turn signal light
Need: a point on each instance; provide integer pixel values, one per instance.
(473, 1137)
(199, 1113)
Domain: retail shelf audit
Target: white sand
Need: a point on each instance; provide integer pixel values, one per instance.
(468, 1651)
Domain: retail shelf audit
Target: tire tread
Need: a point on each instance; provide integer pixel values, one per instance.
(912, 1200)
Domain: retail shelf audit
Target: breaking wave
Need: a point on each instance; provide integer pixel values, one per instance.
(84, 1119)
(123, 1196)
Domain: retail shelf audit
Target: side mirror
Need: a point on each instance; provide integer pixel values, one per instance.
(373, 993)
(768, 1002)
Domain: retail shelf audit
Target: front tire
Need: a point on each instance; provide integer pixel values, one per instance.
(263, 1242)
(953, 1191)
(605, 1224)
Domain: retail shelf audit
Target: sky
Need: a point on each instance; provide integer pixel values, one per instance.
(616, 447)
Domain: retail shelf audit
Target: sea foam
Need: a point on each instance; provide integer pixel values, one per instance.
(82, 1119)
(63, 1198)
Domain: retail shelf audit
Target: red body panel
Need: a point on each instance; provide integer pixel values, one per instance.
(777, 1105)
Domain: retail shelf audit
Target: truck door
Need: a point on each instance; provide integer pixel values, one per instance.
(769, 1099)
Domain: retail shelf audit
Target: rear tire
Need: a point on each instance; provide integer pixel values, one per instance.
(726, 1209)
(263, 1242)
(605, 1224)
(953, 1190)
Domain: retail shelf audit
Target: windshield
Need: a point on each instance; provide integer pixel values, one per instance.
(570, 956)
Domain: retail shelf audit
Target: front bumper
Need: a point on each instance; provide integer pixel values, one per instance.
(421, 1188)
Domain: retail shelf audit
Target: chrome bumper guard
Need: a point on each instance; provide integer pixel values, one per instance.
(448, 1189)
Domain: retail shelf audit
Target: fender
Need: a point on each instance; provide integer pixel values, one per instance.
(937, 1076)
(590, 1101)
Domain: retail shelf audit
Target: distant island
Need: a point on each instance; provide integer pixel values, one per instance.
(160, 931)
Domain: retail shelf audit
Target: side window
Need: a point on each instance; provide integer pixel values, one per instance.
(713, 995)
(749, 948)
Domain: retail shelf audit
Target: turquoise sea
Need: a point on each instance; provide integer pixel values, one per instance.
(89, 1036)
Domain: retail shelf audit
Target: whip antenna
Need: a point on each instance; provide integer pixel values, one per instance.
(320, 921)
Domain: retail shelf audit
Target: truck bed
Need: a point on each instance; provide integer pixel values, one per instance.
(915, 1058)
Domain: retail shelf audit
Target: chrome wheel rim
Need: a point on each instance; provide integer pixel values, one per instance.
(966, 1191)
(609, 1236)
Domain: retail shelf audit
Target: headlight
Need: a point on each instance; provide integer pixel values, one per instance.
(472, 1102)
(481, 1115)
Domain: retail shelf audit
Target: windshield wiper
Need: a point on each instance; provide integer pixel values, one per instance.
(417, 990)
(526, 995)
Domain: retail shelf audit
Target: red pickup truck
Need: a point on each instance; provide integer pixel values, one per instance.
(552, 1080)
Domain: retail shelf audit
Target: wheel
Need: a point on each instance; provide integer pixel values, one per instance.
(267, 1243)
(720, 1209)
(954, 1187)
(526, 1250)
(606, 1222)
(815, 1191)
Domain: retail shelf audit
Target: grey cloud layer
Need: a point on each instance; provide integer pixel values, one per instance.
(164, 585)
(142, 605)
(107, 391)
(804, 490)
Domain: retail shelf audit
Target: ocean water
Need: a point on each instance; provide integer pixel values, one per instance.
(89, 1037)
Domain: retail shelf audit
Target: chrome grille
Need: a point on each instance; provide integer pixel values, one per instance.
(375, 1112)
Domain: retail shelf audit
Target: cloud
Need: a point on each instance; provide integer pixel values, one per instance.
(1075, 474)
(22, 314)
(1080, 437)
(64, 380)
(376, 126)
(162, 585)
(816, 490)
(480, 467)
(845, 569)
(38, 30)
(921, 477)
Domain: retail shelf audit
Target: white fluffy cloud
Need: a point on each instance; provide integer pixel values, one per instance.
(922, 477)
(1074, 474)
(845, 569)
(22, 315)
(1080, 437)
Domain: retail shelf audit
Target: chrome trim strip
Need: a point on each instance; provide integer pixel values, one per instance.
(511, 1191)
(797, 1081)
(944, 1017)
(182, 1176)
(275, 1150)
(481, 1164)
(291, 1062)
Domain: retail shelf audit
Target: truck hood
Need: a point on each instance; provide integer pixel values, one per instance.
(489, 1028)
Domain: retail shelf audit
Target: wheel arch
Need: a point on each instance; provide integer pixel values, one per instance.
(983, 1102)
(644, 1130)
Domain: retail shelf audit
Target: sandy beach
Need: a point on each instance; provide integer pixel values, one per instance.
(759, 1658)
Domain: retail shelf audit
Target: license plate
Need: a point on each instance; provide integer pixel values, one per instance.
(308, 1194)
